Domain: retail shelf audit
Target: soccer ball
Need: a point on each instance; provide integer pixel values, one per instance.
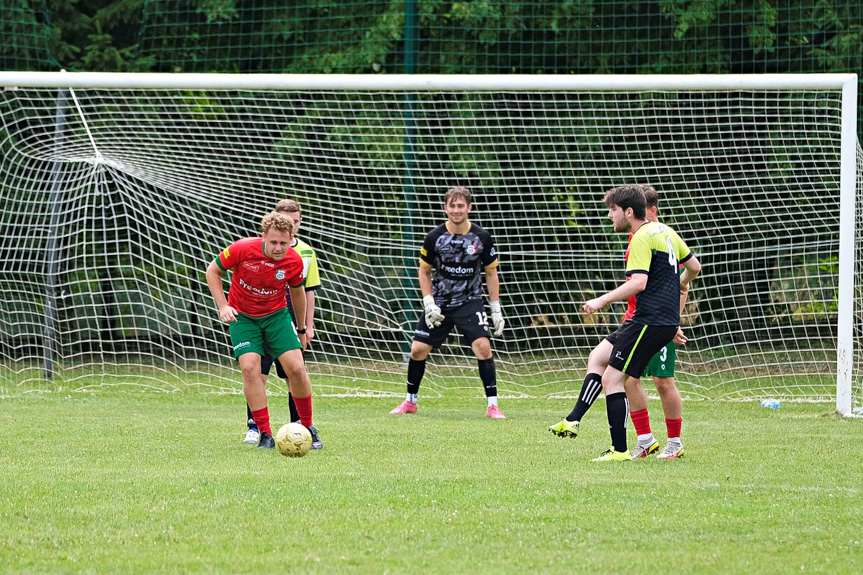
(293, 440)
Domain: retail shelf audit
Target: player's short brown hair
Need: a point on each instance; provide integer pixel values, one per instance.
(277, 221)
(289, 207)
(627, 196)
(457, 192)
(651, 198)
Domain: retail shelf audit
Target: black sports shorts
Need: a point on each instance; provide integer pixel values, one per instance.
(470, 318)
(635, 344)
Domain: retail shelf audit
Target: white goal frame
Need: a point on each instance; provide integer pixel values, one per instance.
(846, 83)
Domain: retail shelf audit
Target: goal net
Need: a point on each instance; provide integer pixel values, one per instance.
(118, 190)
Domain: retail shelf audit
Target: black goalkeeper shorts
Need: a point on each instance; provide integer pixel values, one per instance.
(470, 319)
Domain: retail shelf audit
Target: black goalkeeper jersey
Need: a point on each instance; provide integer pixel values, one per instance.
(457, 261)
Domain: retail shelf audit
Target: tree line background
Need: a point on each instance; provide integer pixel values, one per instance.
(434, 36)
(474, 37)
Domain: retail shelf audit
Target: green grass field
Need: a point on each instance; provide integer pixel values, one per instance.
(125, 482)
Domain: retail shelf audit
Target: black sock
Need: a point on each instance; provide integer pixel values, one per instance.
(292, 407)
(589, 392)
(250, 421)
(617, 407)
(416, 370)
(488, 375)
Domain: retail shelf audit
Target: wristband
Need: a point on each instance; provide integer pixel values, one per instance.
(301, 330)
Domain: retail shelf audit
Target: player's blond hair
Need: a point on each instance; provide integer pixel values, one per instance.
(277, 221)
(289, 207)
(457, 192)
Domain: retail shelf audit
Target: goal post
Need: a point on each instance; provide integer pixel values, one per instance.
(133, 182)
(848, 188)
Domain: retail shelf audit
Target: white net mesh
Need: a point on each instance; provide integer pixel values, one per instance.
(115, 201)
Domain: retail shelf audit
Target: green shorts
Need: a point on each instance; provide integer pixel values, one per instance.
(271, 334)
(662, 364)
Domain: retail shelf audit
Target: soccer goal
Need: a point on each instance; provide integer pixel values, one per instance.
(118, 189)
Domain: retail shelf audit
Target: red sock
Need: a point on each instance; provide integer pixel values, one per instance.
(304, 409)
(673, 426)
(262, 420)
(641, 421)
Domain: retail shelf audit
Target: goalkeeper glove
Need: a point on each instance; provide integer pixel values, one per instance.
(496, 317)
(433, 315)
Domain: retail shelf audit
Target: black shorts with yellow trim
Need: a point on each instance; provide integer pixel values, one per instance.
(634, 344)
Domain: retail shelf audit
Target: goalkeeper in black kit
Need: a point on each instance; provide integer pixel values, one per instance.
(452, 260)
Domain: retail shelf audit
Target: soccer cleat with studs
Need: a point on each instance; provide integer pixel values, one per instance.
(671, 451)
(405, 407)
(612, 455)
(316, 438)
(267, 441)
(494, 412)
(645, 450)
(252, 436)
(564, 428)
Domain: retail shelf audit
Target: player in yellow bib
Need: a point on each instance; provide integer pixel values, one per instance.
(661, 368)
(656, 251)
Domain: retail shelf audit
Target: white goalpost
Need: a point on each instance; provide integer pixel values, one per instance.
(118, 189)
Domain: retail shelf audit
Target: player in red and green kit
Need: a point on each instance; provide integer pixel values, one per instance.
(312, 284)
(258, 318)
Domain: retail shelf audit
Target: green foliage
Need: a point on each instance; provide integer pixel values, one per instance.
(97, 35)
(806, 293)
(218, 10)
(686, 14)
(479, 36)
(470, 36)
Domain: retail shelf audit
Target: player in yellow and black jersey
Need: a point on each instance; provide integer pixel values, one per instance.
(655, 253)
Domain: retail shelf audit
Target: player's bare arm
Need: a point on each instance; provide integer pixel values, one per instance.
(310, 315)
(214, 281)
(492, 282)
(425, 280)
(635, 285)
(433, 314)
(691, 269)
(298, 301)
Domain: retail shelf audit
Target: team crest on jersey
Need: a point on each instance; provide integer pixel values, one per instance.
(470, 249)
(280, 275)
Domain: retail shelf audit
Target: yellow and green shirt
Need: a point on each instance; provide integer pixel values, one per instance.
(657, 250)
(310, 269)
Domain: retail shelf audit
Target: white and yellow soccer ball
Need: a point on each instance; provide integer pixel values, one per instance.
(293, 440)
